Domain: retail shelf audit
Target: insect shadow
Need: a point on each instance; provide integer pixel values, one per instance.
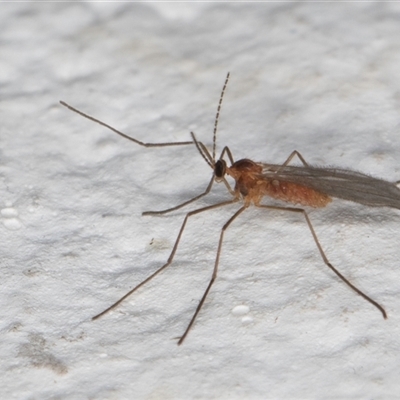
(305, 185)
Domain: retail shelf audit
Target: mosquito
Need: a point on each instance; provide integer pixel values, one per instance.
(303, 185)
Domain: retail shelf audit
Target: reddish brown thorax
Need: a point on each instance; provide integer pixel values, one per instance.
(253, 186)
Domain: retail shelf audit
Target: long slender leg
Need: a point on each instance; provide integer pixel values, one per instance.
(184, 203)
(171, 256)
(292, 154)
(121, 133)
(214, 274)
(325, 259)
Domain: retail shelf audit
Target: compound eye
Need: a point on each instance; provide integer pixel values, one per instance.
(220, 169)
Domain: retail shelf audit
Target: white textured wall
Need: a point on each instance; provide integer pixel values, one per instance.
(320, 78)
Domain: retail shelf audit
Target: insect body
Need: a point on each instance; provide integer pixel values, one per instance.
(304, 185)
(252, 183)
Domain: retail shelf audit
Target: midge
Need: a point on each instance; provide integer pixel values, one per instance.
(305, 185)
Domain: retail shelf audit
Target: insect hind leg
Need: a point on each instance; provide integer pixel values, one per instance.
(324, 258)
(292, 155)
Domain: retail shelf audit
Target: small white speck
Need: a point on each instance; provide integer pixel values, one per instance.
(240, 310)
(247, 320)
(9, 212)
(12, 224)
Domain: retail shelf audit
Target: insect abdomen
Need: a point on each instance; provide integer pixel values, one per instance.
(293, 193)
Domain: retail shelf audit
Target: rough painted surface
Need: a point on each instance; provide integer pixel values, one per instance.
(319, 78)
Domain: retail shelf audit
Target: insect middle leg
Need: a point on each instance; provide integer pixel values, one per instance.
(214, 274)
(171, 256)
(324, 258)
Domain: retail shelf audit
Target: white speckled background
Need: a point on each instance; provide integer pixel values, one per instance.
(320, 78)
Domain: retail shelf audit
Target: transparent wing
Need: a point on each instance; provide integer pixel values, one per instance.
(340, 183)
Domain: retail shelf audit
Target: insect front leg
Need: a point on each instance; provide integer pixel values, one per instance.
(324, 258)
(139, 142)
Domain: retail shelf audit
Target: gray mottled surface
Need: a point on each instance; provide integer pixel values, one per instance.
(320, 78)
